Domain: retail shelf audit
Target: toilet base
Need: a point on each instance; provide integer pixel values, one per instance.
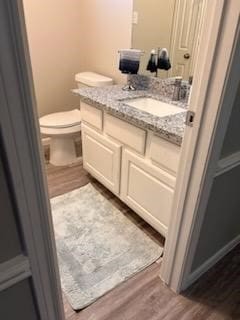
(62, 151)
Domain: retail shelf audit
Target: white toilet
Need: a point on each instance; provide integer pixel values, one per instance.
(64, 127)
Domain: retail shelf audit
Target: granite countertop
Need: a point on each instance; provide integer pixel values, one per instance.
(111, 99)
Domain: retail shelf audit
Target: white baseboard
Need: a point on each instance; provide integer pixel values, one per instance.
(211, 262)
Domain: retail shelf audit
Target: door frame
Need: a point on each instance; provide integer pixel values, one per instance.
(20, 131)
(211, 100)
(20, 135)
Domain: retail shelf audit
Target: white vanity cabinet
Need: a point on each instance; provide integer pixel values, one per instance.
(147, 189)
(136, 165)
(101, 158)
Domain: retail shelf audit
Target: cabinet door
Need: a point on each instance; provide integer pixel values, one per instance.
(148, 190)
(101, 158)
(165, 154)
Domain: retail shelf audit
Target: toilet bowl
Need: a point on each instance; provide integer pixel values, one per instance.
(64, 127)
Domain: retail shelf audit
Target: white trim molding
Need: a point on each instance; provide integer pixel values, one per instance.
(14, 271)
(209, 263)
(228, 163)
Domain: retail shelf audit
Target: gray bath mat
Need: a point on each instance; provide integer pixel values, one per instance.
(97, 246)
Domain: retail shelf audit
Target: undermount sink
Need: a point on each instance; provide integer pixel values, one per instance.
(153, 106)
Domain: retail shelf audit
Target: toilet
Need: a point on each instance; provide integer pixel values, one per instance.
(64, 127)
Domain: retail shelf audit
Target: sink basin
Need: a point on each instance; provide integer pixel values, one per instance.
(154, 106)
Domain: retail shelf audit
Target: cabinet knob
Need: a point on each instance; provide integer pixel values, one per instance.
(186, 56)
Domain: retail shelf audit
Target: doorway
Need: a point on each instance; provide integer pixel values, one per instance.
(36, 140)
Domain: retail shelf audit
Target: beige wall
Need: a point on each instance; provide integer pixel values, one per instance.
(68, 36)
(55, 47)
(107, 28)
(154, 27)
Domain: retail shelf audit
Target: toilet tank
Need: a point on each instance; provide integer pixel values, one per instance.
(92, 79)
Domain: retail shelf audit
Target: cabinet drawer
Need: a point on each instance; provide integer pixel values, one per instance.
(165, 154)
(101, 158)
(91, 115)
(145, 190)
(126, 133)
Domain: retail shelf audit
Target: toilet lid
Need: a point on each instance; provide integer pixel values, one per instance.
(93, 79)
(61, 119)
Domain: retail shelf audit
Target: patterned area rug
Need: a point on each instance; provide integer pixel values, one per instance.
(98, 247)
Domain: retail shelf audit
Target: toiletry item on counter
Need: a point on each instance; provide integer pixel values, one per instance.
(129, 60)
(177, 89)
(163, 60)
(152, 63)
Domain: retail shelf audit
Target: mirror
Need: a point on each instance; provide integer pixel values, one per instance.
(172, 24)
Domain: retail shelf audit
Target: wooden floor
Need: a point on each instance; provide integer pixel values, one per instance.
(216, 296)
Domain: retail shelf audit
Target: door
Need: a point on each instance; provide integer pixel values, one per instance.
(101, 158)
(215, 72)
(15, 272)
(188, 18)
(29, 278)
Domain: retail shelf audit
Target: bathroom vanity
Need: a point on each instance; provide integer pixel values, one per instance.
(132, 150)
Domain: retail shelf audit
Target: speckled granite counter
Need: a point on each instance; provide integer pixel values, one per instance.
(111, 99)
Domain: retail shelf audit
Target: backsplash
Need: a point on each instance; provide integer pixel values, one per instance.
(164, 87)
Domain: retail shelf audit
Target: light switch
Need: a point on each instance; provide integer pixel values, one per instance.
(135, 17)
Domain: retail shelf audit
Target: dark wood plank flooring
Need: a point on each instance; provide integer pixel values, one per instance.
(216, 296)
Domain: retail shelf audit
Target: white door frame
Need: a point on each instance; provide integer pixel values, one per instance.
(21, 138)
(217, 47)
(20, 131)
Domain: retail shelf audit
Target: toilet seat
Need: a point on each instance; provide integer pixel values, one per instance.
(61, 123)
(61, 131)
(61, 119)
